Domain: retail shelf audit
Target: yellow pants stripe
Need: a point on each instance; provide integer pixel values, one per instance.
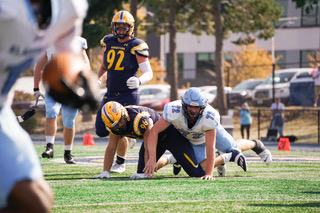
(186, 156)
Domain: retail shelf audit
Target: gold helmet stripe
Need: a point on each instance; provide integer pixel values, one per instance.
(107, 116)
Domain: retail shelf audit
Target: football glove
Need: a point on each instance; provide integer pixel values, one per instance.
(104, 174)
(37, 94)
(133, 82)
(28, 114)
(138, 176)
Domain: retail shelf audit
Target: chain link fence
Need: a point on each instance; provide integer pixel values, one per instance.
(301, 122)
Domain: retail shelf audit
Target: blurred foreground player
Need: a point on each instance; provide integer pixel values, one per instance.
(27, 29)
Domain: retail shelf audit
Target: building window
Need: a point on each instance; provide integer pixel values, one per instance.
(304, 57)
(180, 65)
(312, 18)
(284, 5)
(205, 65)
(282, 61)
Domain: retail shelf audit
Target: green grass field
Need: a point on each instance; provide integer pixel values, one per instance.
(282, 186)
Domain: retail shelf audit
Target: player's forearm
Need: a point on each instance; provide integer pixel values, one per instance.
(101, 72)
(210, 162)
(108, 159)
(152, 145)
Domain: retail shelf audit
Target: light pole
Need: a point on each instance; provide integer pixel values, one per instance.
(273, 66)
(288, 22)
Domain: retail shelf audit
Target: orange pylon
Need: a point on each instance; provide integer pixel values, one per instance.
(284, 144)
(88, 140)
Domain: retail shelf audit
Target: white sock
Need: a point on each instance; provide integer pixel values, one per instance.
(226, 157)
(171, 159)
(50, 139)
(68, 147)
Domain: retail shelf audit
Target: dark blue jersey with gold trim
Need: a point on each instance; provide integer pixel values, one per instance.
(138, 121)
(120, 61)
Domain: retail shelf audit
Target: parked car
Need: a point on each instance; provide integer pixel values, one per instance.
(211, 92)
(242, 92)
(148, 91)
(158, 100)
(262, 94)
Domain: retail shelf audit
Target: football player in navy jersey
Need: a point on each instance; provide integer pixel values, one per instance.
(130, 121)
(123, 55)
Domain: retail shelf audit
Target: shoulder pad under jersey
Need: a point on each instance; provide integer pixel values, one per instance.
(140, 47)
(172, 111)
(210, 118)
(105, 39)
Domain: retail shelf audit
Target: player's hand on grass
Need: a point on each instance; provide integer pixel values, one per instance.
(104, 174)
(207, 177)
(138, 176)
(150, 168)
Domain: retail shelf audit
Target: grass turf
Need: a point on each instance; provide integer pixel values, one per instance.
(278, 187)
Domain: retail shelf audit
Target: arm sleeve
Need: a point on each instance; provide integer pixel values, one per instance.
(147, 73)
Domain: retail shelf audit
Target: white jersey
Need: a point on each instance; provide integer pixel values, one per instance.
(22, 42)
(209, 120)
(51, 51)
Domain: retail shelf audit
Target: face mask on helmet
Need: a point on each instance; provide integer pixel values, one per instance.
(193, 97)
(122, 17)
(114, 116)
(121, 127)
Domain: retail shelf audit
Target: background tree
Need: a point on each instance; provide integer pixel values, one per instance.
(98, 20)
(253, 19)
(307, 4)
(172, 16)
(250, 62)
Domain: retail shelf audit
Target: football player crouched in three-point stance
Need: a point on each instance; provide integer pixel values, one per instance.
(200, 126)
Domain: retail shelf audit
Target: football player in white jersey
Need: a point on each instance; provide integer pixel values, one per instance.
(53, 108)
(200, 124)
(28, 27)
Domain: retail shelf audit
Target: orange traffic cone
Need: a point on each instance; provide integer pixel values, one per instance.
(88, 140)
(284, 144)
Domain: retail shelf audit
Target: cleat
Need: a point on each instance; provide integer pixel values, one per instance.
(222, 169)
(68, 158)
(239, 158)
(266, 156)
(131, 142)
(118, 168)
(176, 168)
(138, 176)
(48, 153)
